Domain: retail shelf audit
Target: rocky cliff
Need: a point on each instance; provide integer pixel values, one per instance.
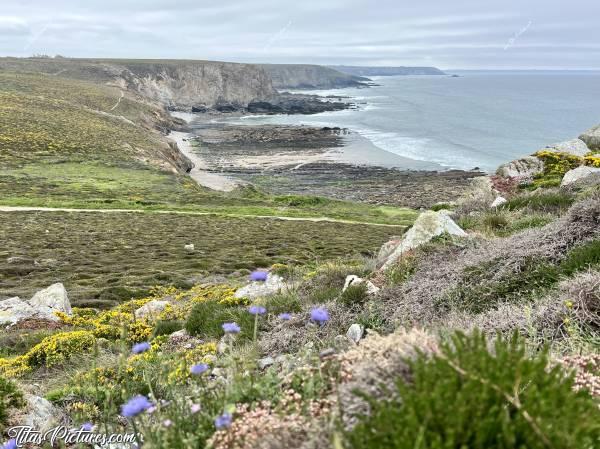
(174, 84)
(387, 71)
(305, 76)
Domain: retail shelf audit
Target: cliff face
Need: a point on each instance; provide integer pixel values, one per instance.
(304, 76)
(173, 84)
(387, 71)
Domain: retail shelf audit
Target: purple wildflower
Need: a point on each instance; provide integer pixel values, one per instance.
(257, 310)
(151, 409)
(258, 275)
(285, 316)
(87, 427)
(195, 408)
(319, 315)
(231, 328)
(10, 444)
(135, 406)
(199, 369)
(223, 421)
(167, 423)
(140, 347)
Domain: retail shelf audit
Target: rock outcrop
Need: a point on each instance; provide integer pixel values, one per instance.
(273, 285)
(430, 224)
(592, 138)
(576, 147)
(355, 280)
(151, 309)
(581, 177)
(521, 169)
(43, 306)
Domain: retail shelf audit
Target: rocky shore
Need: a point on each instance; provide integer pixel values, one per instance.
(312, 161)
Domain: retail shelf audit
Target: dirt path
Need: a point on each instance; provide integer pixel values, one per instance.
(8, 209)
(199, 173)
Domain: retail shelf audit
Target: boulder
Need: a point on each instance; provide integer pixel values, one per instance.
(355, 280)
(583, 176)
(151, 309)
(428, 225)
(273, 285)
(54, 297)
(522, 169)
(13, 310)
(576, 147)
(355, 332)
(40, 414)
(189, 248)
(499, 201)
(592, 138)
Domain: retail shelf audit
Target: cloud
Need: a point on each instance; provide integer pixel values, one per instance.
(462, 33)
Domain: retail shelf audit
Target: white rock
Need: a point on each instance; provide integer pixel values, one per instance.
(355, 280)
(498, 202)
(273, 285)
(521, 169)
(265, 362)
(582, 176)
(189, 248)
(40, 414)
(151, 309)
(54, 297)
(428, 225)
(574, 146)
(355, 332)
(13, 310)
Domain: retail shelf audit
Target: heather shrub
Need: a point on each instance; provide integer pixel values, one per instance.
(470, 397)
(167, 327)
(581, 257)
(355, 294)
(10, 398)
(546, 201)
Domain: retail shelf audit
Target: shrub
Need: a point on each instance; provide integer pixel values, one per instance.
(581, 257)
(541, 201)
(354, 294)
(300, 200)
(58, 348)
(558, 163)
(167, 327)
(206, 320)
(441, 206)
(10, 397)
(468, 397)
(495, 221)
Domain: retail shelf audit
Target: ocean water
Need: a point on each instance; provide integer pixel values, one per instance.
(480, 119)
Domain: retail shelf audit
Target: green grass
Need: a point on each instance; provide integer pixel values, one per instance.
(98, 255)
(547, 201)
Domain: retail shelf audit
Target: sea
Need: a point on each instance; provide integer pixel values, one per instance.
(475, 119)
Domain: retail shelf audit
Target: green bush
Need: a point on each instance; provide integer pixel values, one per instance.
(300, 200)
(441, 206)
(542, 201)
(167, 327)
(581, 257)
(495, 221)
(206, 320)
(469, 397)
(354, 294)
(10, 398)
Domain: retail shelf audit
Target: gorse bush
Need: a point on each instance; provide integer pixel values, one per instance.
(167, 327)
(10, 398)
(469, 397)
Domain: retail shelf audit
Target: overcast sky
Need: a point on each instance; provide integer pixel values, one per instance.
(448, 34)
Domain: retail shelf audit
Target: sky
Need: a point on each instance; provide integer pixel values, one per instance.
(457, 34)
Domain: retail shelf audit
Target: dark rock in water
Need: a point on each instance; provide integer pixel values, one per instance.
(200, 109)
(227, 107)
(264, 107)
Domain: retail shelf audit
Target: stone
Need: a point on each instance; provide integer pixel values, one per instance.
(54, 297)
(265, 362)
(592, 138)
(189, 248)
(428, 225)
(576, 147)
(355, 280)
(582, 176)
(13, 310)
(19, 260)
(521, 169)
(355, 332)
(258, 289)
(499, 201)
(40, 414)
(151, 309)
